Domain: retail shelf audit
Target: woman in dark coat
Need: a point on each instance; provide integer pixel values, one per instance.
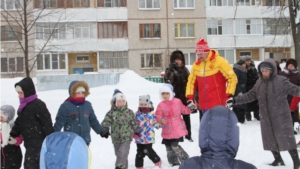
(271, 91)
(33, 122)
(177, 75)
(240, 70)
(291, 72)
(218, 141)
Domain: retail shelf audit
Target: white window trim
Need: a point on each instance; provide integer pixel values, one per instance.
(261, 28)
(148, 9)
(179, 8)
(145, 54)
(81, 34)
(14, 9)
(44, 69)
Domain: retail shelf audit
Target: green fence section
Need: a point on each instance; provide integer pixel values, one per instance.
(156, 79)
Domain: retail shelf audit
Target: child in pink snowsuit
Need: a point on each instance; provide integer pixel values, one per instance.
(168, 114)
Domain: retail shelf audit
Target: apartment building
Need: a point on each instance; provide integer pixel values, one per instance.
(259, 28)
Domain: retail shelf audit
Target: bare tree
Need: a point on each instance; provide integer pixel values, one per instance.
(20, 25)
(295, 27)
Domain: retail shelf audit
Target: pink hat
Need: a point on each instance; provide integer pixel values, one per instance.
(202, 46)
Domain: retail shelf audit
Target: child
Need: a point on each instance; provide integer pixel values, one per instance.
(168, 113)
(147, 121)
(76, 114)
(11, 154)
(34, 122)
(123, 125)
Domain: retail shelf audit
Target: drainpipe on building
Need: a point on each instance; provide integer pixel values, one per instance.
(167, 20)
(234, 37)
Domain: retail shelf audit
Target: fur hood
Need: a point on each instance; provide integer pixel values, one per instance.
(75, 84)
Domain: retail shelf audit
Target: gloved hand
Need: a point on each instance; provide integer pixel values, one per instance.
(230, 102)
(105, 132)
(173, 66)
(137, 135)
(191, 105)
(12, 141)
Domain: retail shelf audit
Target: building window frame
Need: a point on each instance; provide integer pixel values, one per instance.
(190, 58)
(113, 4)
(113, 60)
(11, 33)
(219, 27)
(61, 3)
(11, 4)
(228, 54)
(82, 58)
(276, 26)
(248, 27)
(112, 30)
(177, 5)
(178, 28)
(148, 31)
(151, 60)
(155, 4)
(18, 65)
(46, 61)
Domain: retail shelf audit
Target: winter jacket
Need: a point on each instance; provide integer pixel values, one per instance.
(77, 118)
(241, 74)
(11, 155)
(34, 121)
(214, 79)
(171, 110)
(274, 109)
(65, 150)
(252, 76)
(178, 78)
(122, 122)
(294, 77)
(147, 123)
(218, 141)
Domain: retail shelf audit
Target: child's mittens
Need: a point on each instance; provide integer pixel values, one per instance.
(105, 132)
(12, 141)
(136, 137)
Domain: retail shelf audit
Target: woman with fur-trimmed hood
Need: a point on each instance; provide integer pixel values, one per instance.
(76, 114)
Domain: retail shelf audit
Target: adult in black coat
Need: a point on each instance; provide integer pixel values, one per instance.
(252, 76)
(239, 69)
(177, 75)
(33, 122)
(291, 72)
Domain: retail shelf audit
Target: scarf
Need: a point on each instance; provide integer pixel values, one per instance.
(76, 101)
(145, 109)
(25, 101)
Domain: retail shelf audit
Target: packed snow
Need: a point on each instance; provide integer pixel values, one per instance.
(133, 85)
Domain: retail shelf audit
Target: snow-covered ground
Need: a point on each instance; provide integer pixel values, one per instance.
(132, 85)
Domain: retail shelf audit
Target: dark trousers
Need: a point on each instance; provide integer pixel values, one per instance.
(240, 114)
(187, 121)
(32, 158)
(175, 152)
(145, 150)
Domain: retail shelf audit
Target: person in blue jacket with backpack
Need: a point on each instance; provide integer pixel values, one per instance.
(218, 141)
(76, 114)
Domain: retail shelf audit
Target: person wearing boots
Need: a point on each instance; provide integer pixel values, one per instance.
(252, 77)
(291, 72)
(239, 69)
(177, 75)
(277, 130)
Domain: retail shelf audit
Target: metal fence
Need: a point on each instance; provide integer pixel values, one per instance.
(156, 79)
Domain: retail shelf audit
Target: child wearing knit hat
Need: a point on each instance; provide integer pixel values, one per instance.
(11, 152)
(168, 114)
(147, 122)
(123, 126)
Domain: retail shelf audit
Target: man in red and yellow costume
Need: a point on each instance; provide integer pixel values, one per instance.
(212, 77)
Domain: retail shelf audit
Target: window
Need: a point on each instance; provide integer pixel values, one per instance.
(61, 3)
(81, 30)
(273, 3)
(149, 4)
(111, 3)
(82, 59)
(112, 30)
(276, 26)
(14, 64)
(190, 58)
(248, 26)
(10, 4)
(51, 61)
(183, 30)
(11, 33)
(113, 60)
(150, 31)
(245, 2)
(245, 54)
(227, 54)
(221, 2)
(50, 30)
(219, 27)
(150, 60)
(183, 4)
